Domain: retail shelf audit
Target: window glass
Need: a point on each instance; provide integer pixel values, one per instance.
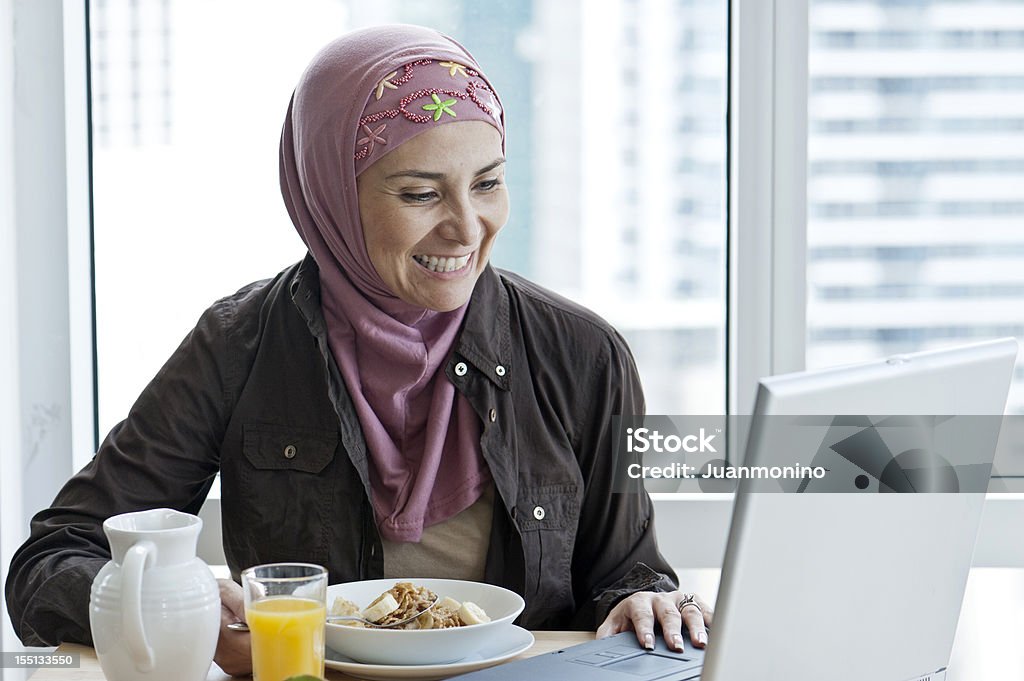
(916, 165)
(616, 148)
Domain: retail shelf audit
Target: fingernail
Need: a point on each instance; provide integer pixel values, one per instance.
(649, 641)
(678, 641)
(702, 638)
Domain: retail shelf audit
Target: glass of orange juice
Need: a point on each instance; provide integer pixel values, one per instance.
(285, 607)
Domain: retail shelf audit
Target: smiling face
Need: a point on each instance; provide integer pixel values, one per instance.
(431, 210)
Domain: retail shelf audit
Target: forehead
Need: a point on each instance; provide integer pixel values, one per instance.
(459, 146)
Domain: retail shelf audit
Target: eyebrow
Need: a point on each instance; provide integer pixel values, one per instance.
(426, 175)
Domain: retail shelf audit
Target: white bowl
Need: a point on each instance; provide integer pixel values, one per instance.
(426, 646)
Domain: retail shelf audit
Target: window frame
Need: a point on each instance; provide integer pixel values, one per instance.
(767, 205)
(48, 410)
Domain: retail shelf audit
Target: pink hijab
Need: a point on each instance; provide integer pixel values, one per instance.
(423, 437)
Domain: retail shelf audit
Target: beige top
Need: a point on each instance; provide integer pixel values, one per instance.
(453, 549)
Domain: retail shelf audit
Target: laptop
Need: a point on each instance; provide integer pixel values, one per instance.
(837, 579)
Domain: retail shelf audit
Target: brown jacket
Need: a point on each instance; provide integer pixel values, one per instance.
(255, 377)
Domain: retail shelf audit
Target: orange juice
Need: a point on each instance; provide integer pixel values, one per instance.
(287, 637)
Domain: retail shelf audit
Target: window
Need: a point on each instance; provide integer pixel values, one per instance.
(916, 162)
(188, 103)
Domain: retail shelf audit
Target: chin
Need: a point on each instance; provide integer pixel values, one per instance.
(446, 296)
(444, 306)
(446, 303)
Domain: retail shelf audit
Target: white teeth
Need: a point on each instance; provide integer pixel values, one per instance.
(442, 263)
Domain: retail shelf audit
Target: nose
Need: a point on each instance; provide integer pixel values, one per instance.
(462, 224)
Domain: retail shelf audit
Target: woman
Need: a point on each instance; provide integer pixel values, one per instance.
(391, 405)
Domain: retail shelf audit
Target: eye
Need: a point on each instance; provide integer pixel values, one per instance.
(418, 197)
(488, 185)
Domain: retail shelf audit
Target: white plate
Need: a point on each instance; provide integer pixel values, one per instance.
(506, 643)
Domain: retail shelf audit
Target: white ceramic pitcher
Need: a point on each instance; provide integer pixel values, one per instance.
(154, 608)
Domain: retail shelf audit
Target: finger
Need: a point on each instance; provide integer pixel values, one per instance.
(667, 609)
(694, 622)
(226, 617)
(232, 600)
(641, 614)
(709, 612)
(613, 624)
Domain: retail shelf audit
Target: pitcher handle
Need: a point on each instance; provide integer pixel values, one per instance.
(135, 561)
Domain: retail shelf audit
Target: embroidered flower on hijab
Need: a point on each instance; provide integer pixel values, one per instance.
(453, 68)
(373, 136)
(385, 82)
(439, 107)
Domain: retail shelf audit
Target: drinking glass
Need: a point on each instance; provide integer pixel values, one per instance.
(285, 606)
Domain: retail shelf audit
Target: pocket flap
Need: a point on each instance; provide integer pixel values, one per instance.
(273, 447)
(547, 507)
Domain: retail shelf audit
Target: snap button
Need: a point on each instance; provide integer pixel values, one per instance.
(461, 369)
(290, 452)
(500, 370)
(539, 512)
(494, 415)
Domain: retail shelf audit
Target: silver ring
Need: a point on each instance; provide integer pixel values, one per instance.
(690, 600)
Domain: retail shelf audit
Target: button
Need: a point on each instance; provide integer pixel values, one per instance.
(539, 512)
(500, 370)
(461, 369)
(290, 452)
(493, 415)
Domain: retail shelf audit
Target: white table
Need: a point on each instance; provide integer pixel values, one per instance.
(988, 645)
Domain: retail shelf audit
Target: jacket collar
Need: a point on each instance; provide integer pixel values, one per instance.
(484, 341)
(305, 293)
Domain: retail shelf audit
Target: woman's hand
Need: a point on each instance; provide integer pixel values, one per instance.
(639, 612)
(233, 653)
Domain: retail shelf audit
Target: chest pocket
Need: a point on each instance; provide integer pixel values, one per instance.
(287, 487)
(280, 448)
(548, 516)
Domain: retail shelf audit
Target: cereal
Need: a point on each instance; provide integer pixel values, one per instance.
(412, 599)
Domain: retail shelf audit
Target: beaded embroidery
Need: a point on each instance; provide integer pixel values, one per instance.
(475, 91)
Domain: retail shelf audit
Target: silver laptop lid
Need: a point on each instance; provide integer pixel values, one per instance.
(853, 586)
